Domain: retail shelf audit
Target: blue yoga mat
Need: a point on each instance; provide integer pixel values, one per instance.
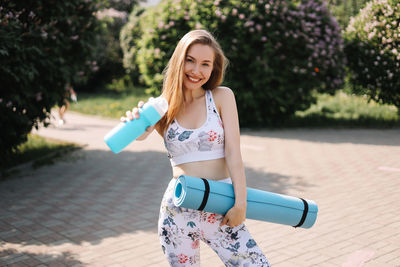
(218, 197)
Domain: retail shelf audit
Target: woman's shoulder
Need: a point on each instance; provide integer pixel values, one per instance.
(222, 92)
(223, 96)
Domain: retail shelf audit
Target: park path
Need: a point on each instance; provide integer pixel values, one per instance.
(95, 208)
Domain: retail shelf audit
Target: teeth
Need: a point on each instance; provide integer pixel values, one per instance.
(194, 80)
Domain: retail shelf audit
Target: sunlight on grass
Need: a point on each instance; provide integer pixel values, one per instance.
(36, 148)
(348, 110)
(340, 110)
(107, 105)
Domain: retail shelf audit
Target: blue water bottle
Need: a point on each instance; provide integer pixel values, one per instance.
(125, 132)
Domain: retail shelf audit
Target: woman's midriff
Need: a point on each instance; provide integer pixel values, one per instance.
(209, 169)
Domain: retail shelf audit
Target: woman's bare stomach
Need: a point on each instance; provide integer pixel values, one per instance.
(209, 169)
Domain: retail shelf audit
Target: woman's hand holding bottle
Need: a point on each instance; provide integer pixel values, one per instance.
(134, 114)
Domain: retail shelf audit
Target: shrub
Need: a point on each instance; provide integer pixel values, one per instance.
(344, 10)
(108, 67)
(129, 38)
(43, 46)
(279, 51)
(372, 49)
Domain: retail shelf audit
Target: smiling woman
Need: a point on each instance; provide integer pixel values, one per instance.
(201, 134)
(198, 66)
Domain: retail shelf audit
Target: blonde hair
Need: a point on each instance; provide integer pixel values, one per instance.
(174, 71)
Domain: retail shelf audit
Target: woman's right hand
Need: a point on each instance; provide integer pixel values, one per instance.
(130, 115)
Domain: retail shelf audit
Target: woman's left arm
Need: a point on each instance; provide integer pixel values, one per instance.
(229, 115)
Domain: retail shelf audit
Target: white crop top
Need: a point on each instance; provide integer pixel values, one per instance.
(204, 143)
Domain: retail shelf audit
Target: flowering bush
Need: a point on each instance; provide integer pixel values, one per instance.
(373, 51)
(43, 46)
(130, 35)
(108, 53)
(344, 10)
(279, 51)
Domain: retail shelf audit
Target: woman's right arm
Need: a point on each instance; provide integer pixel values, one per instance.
(134, 114)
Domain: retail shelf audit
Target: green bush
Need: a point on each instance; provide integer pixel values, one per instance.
(344, 10)
(279, 51)
(107, 67)
(129, 37)
(373, 51)
(44, 45)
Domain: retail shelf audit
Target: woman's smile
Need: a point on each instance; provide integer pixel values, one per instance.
(193, 80)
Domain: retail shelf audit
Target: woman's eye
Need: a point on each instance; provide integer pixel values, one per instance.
(189, 60)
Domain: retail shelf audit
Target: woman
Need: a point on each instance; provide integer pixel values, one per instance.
(69, 94)
(201, 134)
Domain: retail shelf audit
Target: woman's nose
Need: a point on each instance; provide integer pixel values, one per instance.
(196, 69)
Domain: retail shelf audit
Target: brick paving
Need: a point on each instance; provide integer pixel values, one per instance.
(95, 208)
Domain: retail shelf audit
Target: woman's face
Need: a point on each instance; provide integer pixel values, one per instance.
(198, 66)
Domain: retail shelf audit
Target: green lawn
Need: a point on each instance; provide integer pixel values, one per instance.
(38, 149)
(111, 105)
(344, 110)
(340, 110)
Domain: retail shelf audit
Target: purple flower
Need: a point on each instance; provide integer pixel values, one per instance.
(249, 23)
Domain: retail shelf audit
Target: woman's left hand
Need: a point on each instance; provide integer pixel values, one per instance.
(235, 216)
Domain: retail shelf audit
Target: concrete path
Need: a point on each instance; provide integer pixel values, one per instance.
(95, 208)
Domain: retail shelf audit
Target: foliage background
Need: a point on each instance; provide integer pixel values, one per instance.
(279, 55)
(279, 51)
(44, 45)
(373, 50)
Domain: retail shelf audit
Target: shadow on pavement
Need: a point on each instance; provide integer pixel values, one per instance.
(8, 256)
(335, 136)
(274, 182)
(93, 195)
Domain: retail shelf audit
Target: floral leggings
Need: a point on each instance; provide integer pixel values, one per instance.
(181, 229)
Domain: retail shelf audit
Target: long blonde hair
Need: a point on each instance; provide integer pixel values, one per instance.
(174, 71)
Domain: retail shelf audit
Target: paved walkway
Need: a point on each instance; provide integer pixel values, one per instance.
(94, 208)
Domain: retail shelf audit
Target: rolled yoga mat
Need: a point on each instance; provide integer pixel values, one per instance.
(218, 197)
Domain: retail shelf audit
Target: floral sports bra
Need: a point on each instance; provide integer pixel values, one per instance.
(204, 143)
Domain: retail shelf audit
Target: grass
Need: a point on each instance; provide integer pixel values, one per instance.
(344, 110)
(107, 104)
(38, 151)
(340, 110)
